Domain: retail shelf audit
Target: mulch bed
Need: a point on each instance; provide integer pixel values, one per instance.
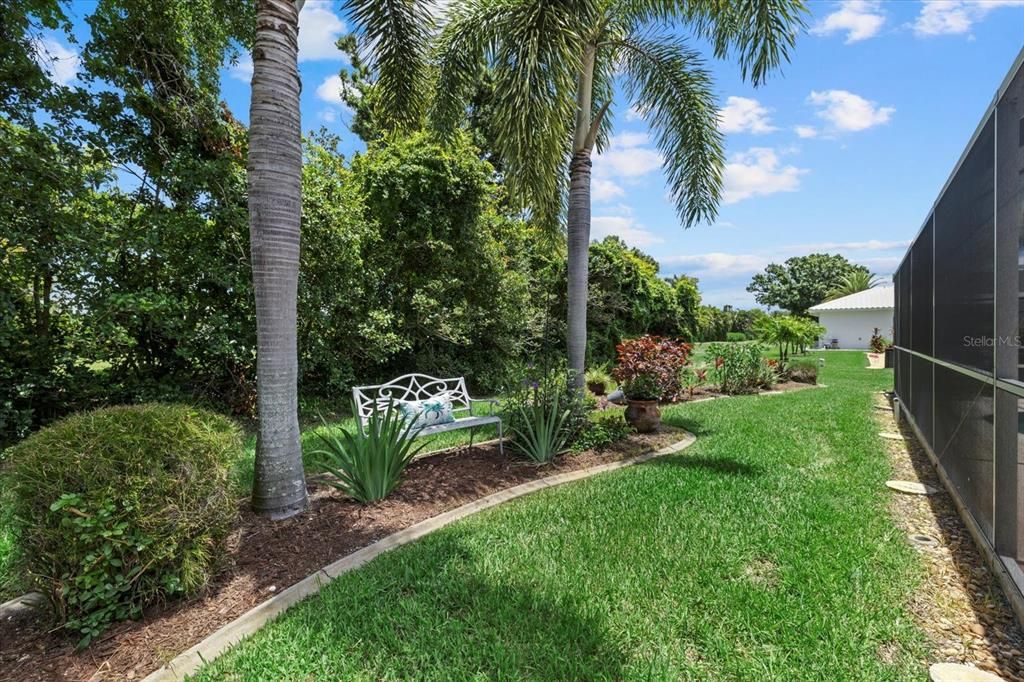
(959, 604)
(266, 557)
(706, 392)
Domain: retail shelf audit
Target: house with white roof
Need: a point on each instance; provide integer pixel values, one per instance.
(851, 320)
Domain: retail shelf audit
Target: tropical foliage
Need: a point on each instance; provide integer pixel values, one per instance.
(741, 367)
(649, 368)
(853, 283)
(788, 333)
(553, 67)
(367, 465)
(802, 281)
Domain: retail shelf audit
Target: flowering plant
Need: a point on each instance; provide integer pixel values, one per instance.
(649, 367)
(692, 378)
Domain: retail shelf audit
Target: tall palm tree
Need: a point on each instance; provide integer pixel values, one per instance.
(275, 211)
(397, 32)
(555, 64)
(854, 282)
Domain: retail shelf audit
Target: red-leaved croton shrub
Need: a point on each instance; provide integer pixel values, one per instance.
(649, 368)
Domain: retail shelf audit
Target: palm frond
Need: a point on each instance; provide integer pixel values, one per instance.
(397, 34)
(760, 33)
(534, 49)
(668, 84)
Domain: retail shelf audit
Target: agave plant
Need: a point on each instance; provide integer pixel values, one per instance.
(368, 465)
(543, 434)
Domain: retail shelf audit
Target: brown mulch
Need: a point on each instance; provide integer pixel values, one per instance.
(706, 392)
(959, 604)
(266, 557)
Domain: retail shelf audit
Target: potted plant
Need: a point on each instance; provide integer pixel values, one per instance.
(599, 382)
(648, 371)
(642, 393)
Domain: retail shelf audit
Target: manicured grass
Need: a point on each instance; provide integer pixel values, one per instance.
(763, 552)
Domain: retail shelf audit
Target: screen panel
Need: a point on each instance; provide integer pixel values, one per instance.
(964, 255)
(963, 439)
(921, 390)
(921, 288)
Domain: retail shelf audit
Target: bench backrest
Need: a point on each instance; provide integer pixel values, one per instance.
(369, 399)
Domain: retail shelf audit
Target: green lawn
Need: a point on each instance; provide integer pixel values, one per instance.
(763, 552)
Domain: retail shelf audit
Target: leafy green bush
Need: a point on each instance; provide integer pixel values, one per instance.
(740, 367)
(649, 367)
(118, 508)
(735, 336)
(368, 466)
(604, 429)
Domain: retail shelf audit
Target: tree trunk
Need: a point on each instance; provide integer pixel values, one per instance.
(584, 134)
(275, 195)
(579, 261)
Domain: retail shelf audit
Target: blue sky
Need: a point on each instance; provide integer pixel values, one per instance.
(842, 151)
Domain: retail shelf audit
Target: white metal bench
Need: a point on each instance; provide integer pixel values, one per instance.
(370, 399)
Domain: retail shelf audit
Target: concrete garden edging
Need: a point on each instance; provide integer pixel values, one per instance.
(190, 660)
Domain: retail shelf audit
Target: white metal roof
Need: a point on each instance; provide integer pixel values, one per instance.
(869, 299)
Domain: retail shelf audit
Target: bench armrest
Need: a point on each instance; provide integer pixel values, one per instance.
(493, 402)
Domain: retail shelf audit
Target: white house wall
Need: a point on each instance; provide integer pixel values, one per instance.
(853, 328)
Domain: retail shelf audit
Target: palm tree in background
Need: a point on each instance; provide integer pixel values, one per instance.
(854, 282)
(397, 31)
(555, 64)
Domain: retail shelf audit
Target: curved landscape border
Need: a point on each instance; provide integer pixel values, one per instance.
(249, 622)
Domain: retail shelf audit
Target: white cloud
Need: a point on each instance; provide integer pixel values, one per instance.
(627, 157)
(806, 131)
(603, 189)
(242, 71)
(624, 227)
(330, 90)
(950, 17)
(744, 115)
(319, 30)
(633, 114)
(849, 112)
(717, 265)
(869, 245)
(860, 19)
(60, 62)
(758, 172)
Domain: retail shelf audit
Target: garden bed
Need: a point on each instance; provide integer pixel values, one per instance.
(265, 558)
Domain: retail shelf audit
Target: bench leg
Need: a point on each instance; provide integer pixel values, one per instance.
(471, 437)
(501, 441)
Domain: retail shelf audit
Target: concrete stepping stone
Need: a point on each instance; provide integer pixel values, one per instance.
(957, 672)
(912, 487)
(891, 436)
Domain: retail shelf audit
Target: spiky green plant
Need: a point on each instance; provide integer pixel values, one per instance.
(542, 435)
(368, 465)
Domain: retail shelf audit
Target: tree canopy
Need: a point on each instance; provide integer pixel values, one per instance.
(802, 281)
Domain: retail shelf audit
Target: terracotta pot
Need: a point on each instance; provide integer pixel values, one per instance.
(643, 415)
(596, 387)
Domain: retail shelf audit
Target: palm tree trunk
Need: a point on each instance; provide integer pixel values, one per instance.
(579, 261)
(578, 227)
(275, 196)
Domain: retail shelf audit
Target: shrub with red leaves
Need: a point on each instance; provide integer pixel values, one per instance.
(649, 367)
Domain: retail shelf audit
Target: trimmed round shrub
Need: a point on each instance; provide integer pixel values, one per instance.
(122, 507)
